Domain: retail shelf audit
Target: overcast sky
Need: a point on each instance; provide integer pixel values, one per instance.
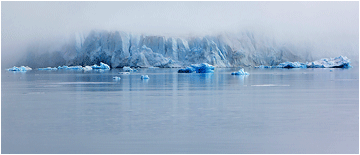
(22, 22)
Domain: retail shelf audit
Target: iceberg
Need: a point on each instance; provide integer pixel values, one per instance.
(22, 68)
(71, 67)
(198, 68)
(338, 62)
(48, 68)
(87, 68)
(102, 66)
(291, 65)
(240, 72)
(128, 69)
(144, 77)
(116, 78)
(186, 70)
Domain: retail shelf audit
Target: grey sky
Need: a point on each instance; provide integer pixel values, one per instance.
(314, 21)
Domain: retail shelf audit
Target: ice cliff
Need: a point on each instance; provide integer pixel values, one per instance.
(119, 49)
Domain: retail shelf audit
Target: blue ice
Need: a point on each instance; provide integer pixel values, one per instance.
(240, 72)
(144, 77)
(198, 68)
(102, 66)
(22, 68)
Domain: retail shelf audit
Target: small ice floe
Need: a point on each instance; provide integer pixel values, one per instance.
(262, 66)
(22, 68)
(102, 66)
(128, 69)
(116, 78)
(71, 67)
(240, 72)
(198, 68)
(124, 73)
(144, 77)
(48, 68)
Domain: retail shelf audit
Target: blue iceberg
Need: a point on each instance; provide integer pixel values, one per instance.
(144, 77)
(22, 68)
(116, 78)
(198, 68)
(48, 68)
(186, 70)
(291, 65)
(240, 72)
(102, 66)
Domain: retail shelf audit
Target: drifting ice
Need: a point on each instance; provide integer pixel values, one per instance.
(240, 72)
(102, 66)
(338, 62)
(48, 68)
(128, 69)
(22, 68)
(198, 68)
(116, 78)
(291, 65)
(144, 77)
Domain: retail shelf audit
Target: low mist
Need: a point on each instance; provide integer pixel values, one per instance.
(328, 29)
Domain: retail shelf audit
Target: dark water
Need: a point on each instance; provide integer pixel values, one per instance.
(269, 111)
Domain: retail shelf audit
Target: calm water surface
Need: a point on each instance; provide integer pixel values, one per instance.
(268, 111)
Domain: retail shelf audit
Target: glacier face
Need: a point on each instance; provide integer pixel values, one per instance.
(119, 49)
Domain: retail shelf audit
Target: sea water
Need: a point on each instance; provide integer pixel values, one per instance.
(269, 111)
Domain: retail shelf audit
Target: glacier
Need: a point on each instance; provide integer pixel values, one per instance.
(120, 49)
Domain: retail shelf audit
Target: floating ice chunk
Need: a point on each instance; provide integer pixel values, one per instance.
(144, 77)
(48, 68)
(198, 68)
(116, 78)
(102, 66)
(22, 68)
(338, 62)
(128, 69)
(87, 68)
(203, 68)
(291, 65)
(124, 72)
(186, 70)
(71, 67)
(262, 66)
(240, 72)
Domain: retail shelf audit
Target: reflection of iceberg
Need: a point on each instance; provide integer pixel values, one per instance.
(102, 66)
(48, 68)
(240, 72)
(198, 68)
(22, 68)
